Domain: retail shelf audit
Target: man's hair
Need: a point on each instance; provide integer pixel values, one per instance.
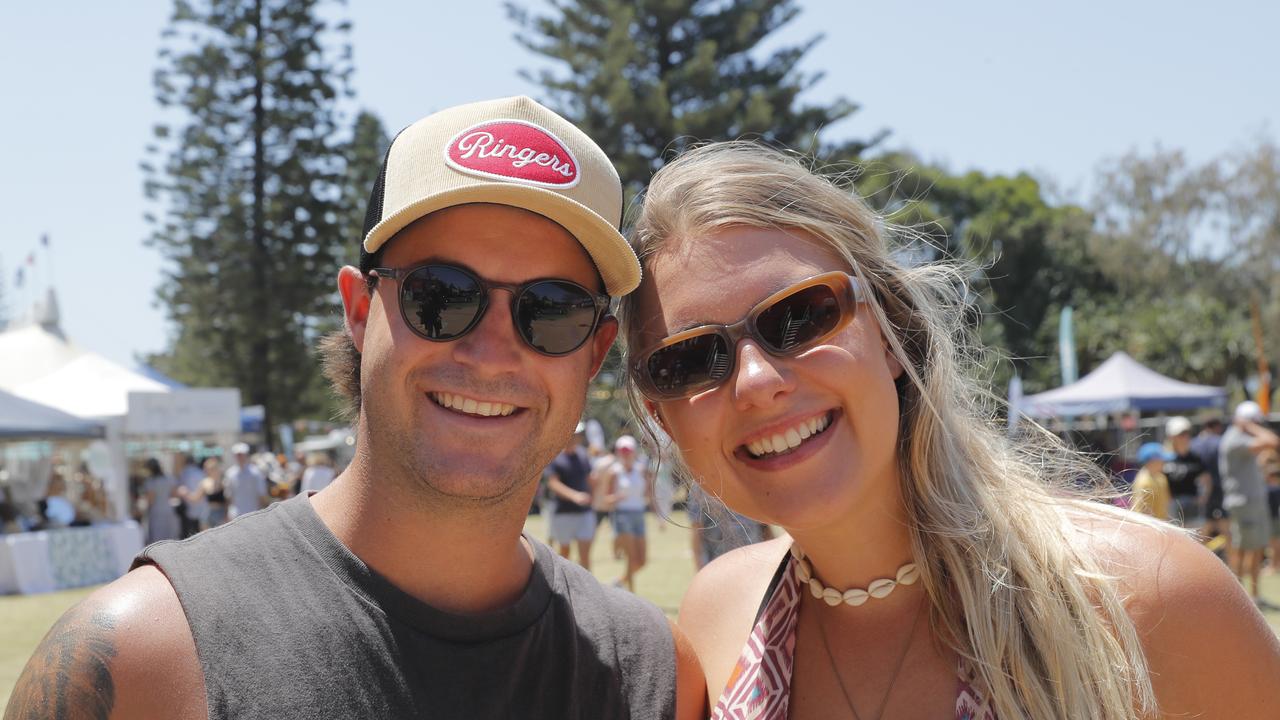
(341, 364)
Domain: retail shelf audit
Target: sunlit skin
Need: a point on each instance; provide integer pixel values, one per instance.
(451, 457)
(840, 487)
(427, 476)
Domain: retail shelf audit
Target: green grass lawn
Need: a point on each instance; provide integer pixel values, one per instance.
(25, 619)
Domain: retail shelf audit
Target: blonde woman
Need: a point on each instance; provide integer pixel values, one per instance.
(931, 569)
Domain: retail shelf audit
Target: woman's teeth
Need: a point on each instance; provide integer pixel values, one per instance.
(790, 438)
(471, 406)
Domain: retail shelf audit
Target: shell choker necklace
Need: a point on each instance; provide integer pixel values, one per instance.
(853, 597)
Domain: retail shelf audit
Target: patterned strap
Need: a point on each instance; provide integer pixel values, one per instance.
(759, 687)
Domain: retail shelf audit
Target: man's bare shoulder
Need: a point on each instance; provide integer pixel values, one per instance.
(123, 652)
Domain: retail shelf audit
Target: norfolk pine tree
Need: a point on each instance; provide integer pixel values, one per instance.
(646, 79)
(251, 179)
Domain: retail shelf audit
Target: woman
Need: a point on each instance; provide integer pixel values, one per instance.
(813, 382)
(161, 492)
(212, 490)
(630, 495)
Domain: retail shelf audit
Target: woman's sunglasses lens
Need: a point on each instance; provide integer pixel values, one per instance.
(800, 318)
(440, 302)
(689, 365)
(555, 317)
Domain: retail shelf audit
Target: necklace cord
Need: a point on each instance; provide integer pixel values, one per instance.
(884, 700)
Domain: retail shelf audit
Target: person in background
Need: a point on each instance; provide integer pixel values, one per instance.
(1245, 491)
(319, 473)
(1206, 444)
(189, 476)
(1189, 482)
(56, 511)
(717, 529)
(573, 522)
(161, 492)
(245, 484)
(212, 494)
(93, 505)
(630, 495)
(1151, 494)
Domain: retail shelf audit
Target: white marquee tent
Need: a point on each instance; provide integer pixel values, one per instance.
(37, 363)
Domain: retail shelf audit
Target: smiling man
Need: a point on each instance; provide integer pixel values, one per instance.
(406, 588)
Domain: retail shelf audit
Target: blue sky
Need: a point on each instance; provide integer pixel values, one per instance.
(992, 85)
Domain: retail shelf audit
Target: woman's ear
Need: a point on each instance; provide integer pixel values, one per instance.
(654, 412)
(895, 367)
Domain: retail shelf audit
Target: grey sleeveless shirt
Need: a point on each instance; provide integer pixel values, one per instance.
(288, 623)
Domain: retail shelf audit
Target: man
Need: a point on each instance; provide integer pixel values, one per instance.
(1245, 490)
(406, 588)
(572, 519)
(192, 506)
(1188, 477)
(1206, 445)
(245, 484)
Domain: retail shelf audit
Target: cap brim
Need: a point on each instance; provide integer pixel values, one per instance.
(613, 257)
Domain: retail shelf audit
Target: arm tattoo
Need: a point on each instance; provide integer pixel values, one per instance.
(68, 677)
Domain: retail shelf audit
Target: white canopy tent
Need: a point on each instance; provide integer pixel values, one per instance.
(1121, 384)
(39, 364)
(30, 352)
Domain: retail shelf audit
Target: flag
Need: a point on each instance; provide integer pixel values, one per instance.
(1067, 347)
(1015, 401)
(31, 259)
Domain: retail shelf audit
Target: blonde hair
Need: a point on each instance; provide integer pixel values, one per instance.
(1011, 589)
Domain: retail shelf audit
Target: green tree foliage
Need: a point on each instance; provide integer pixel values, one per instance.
(1028, 259)
(645, 78)
(363, 153)
(1182, 245)
(251, 180)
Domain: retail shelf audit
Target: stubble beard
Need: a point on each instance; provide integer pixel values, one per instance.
(443, 479)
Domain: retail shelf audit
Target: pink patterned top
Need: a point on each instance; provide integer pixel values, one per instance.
(759, 687)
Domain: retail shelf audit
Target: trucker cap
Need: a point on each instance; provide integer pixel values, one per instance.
(513, 152)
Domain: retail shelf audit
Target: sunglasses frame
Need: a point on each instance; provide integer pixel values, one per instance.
(600, 302)
(848, 293)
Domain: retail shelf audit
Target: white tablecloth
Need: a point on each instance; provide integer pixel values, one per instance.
(49, 560)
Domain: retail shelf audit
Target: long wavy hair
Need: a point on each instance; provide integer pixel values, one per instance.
(1012, 588)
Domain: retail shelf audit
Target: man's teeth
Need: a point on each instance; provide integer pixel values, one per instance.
(789, 438)
(471, 406)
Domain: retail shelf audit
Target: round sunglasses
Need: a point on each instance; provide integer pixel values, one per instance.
(786, 323)
(442, 302)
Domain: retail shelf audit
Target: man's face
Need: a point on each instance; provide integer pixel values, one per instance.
(405, 379)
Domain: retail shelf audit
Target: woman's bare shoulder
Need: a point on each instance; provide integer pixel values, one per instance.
(720, 606)
(1210, 652)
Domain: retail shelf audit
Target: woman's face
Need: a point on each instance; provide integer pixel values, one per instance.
(846, 383)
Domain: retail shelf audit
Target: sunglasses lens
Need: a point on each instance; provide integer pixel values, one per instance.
(688, 366)
(555, 317)
(440, 302)
(799, 319)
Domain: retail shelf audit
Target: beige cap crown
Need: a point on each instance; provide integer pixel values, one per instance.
(513, 152)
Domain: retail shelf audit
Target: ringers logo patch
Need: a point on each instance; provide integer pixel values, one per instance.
(513, 150)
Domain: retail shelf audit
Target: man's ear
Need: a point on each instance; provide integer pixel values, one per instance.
(606, 332)
(355, 303)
